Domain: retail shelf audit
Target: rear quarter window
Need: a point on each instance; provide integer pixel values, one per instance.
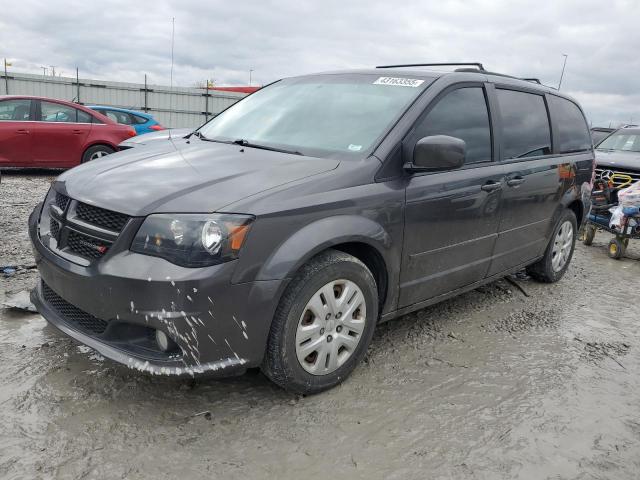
(84, 117)
(139, 120)
(572, 132)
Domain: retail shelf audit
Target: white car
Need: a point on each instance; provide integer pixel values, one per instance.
(153, 137)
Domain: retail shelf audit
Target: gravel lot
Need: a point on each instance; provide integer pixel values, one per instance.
(492, 384)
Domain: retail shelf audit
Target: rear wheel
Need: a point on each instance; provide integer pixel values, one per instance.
(558, 254)
(616, 248)
(96, 152)
(323, 324)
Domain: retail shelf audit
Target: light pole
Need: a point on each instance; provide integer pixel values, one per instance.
(6, 77)
(250, 75)
(563, 66)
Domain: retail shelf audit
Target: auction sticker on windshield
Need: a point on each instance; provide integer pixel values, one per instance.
(399, 82)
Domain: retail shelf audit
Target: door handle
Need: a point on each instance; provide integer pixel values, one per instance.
(491, 186)
(22, 131)
(515, 181)
(77, 132)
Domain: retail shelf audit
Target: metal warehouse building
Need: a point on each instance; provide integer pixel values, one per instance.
(172, 107)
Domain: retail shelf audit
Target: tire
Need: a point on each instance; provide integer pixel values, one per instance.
(616, 248)
(549, 269)
(588, 235)
(95, 152)
(311, 366)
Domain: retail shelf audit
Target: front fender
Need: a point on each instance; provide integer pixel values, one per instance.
(298, 248)
(318, 236)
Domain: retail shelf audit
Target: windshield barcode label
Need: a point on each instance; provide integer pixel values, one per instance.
(399, 82)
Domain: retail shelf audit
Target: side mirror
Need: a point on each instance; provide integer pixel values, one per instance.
(437, 152)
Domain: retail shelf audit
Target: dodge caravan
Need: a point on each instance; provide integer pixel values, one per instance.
(282, 231)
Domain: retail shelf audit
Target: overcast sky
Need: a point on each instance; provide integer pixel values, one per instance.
(223, 40)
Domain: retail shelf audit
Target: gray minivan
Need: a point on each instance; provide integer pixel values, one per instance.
(282, 231)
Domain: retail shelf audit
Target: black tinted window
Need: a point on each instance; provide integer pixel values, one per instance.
(525, 124)
(573, 134)
(462, 114)
(15, 110)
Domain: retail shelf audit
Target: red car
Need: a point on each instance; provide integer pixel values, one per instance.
(43, 132)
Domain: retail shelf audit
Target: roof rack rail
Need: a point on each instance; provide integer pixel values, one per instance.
(473, 70)
(475, 64)
(479, 68)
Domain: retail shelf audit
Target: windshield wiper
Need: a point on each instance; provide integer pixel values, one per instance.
(246, 143)
(198, 134)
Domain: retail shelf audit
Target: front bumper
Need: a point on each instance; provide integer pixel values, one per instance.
(220, 328)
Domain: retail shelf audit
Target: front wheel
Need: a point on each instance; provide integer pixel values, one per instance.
(557, 256)
(323, 324)
(96, 152)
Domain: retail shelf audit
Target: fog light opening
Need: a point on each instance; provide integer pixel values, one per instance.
(165, 344)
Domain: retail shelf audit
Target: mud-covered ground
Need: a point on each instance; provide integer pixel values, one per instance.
(493, 384)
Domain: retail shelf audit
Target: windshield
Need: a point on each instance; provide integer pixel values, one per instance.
(321, 115)
(598, 135)
(629, 142)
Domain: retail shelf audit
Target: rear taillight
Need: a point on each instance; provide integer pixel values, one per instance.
(131, 132)
(156, 127)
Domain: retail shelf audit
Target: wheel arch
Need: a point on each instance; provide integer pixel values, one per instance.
(374, 261)
(358, 236)
(98, 143)
(578, 208)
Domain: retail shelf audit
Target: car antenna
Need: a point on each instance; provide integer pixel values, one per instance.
(173, 33)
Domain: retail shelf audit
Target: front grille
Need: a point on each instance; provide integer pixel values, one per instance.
(61, 201)
(80, 230)
(54, 228)
(86, 246)
(617, 182)
(73, 314)
(101, 218)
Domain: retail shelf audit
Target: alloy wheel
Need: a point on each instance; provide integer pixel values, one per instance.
(562, 245)
(98, 154)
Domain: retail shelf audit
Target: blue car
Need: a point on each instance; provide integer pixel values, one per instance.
(141, 122)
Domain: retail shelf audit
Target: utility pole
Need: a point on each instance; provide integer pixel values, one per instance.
(44, 71)
(250, 74)
(563, 67)
(78, 85)
(53, 70)
(6, 77)
(146, 89)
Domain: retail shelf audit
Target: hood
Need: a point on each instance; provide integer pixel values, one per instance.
(184, 177)
(618, 159)
(150, 137)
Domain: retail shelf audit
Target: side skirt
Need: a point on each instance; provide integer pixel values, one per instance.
(454, 293)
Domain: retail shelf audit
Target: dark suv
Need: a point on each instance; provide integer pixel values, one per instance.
(618, 157)
(281, 232)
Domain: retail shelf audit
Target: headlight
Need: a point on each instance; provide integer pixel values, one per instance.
(192, 240)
